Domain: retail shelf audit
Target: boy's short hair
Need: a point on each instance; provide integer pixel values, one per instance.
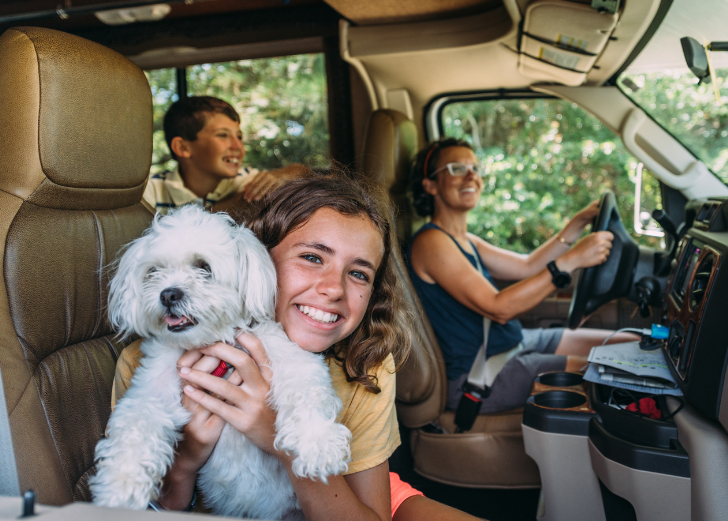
(186, 117)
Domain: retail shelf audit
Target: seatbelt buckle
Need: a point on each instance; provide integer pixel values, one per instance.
(469, 406)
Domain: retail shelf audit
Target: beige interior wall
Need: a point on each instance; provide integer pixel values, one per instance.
(477, 52)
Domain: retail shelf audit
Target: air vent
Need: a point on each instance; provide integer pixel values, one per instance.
(700, 281)
(710, 214)
(703, 212)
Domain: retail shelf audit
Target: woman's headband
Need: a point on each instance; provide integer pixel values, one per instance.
(427, 158)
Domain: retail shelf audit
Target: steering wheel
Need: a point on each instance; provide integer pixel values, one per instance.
(612, 279)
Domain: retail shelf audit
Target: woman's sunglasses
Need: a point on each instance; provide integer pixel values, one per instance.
(458, 169)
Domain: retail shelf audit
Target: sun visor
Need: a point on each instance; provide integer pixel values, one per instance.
(562, 40)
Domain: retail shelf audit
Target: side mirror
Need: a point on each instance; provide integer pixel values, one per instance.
(644, 224)
(696, 58)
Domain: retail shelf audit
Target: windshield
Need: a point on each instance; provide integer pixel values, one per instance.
(660, 82)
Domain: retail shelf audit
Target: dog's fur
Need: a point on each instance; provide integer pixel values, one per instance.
(228, 283)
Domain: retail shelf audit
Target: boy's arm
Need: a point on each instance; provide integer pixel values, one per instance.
(266, 181)
(245, 203)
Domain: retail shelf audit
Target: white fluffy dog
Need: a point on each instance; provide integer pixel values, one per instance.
(192, 279)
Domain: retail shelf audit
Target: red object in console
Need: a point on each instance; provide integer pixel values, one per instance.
(647, 406)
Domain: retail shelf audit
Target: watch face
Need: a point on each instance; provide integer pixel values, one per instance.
(562, 280)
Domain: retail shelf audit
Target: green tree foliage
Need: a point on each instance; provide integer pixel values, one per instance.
(282, 105)
(545, 159)
(688, 111)
(163, 83)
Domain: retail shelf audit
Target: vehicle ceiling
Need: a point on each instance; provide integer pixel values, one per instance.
(426, 47)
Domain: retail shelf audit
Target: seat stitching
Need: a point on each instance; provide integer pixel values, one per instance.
(100, 264)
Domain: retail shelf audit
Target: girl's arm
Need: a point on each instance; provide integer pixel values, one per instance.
(241, 401)
(507, 265)
(436, 259)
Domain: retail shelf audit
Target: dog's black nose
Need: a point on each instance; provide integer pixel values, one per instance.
(171, 296)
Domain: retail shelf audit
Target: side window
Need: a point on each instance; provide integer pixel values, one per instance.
(545, 159)
(282, 104)
(163, 83)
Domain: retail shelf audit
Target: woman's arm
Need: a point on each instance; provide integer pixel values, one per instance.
(241, 401)
(507, 265)
(436, 258)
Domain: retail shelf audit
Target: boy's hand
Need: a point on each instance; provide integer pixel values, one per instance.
(266, 181)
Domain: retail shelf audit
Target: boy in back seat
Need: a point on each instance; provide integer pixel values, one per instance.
(203, 134)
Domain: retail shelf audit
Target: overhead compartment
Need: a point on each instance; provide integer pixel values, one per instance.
(562, 40)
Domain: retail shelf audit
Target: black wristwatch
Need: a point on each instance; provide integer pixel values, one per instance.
(561, 279)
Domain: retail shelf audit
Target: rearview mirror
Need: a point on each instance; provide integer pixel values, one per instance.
(696, 58)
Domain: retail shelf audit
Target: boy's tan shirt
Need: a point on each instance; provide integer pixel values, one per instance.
(167, 190)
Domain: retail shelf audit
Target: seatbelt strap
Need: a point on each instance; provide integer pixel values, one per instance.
(482, 375)
(484, 371)
(9, 485)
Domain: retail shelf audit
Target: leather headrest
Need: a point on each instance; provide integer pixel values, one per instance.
(389, 147)
(75, 122)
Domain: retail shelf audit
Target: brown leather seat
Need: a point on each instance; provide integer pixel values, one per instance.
(491, 455)
(75, 151)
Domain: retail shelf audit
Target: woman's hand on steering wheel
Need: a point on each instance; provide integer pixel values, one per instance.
(573, 230)
(592, 250)
(586, 215)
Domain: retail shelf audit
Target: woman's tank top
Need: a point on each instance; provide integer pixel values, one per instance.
(459, 329)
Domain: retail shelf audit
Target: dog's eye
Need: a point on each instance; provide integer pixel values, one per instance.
(202, 265)
(151, 271)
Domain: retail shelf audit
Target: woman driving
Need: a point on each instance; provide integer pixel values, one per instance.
(453, 273)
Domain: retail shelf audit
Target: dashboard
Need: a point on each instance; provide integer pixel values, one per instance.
(696, 306)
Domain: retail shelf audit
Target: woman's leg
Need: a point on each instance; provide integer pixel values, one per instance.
(577, 344)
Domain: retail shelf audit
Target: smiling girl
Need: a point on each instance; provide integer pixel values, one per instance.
(330, 238)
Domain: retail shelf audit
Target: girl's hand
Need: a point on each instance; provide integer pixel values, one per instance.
(241, 400)
(592, 250)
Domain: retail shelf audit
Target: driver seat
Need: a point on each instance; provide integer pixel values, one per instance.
(75, 152)
(491, 454)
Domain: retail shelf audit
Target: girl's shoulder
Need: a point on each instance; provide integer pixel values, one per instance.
(384, 373)
(371, 418)
(129, 360)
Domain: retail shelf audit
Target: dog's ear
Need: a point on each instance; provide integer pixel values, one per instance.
(125, 292)
(257, 278)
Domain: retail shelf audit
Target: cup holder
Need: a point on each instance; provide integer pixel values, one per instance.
(560, 379)
(559, 399)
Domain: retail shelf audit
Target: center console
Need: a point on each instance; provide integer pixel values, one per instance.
(599, 461)
(696, 308)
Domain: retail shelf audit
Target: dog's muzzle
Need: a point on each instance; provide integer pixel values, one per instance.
(170, 297)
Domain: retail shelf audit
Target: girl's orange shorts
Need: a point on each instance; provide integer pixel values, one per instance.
(400, 491)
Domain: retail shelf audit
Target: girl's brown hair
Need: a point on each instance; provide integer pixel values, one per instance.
(383, 329)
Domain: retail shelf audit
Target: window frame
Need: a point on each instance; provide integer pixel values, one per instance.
(432, 112)
(338, 87)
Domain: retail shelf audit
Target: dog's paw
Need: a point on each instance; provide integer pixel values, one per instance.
(328, 455)
(121, 491)
(122, 482)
